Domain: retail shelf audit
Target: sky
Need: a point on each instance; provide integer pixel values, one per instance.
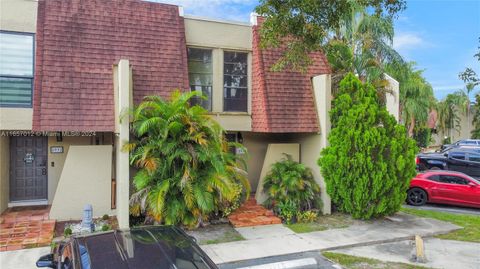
(441, 36)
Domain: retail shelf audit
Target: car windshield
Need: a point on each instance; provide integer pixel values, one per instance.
(152, 247)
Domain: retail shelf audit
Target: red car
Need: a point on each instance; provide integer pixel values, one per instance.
(444, 187)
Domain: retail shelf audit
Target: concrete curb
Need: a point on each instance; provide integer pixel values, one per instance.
(392, 240)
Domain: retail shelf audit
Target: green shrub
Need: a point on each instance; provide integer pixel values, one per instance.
(447, 140)
(422, 136)
(291, 181)
(286, 210)
(370, 160)
(105, 227)
(67, 232)
(186, 172)
(307, 216)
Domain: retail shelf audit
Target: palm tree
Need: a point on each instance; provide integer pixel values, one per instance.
(186, 171)
(362, 44)
(448, 112)
(416, 94)
(476, 118)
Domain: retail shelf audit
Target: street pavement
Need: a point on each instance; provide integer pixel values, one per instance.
(305, 260)
(439, 253)
(275, 240)
(447, 209)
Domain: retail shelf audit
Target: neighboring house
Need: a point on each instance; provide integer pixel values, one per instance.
(464, 130)
(69, 68)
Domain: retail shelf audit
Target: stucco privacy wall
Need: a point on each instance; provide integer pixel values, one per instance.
(275, 153)
(4, 171)
(85, 179)
(312, 144)
(256, 145)
(24, 21)
(58, 159)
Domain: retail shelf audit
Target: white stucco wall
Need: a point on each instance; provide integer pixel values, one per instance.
(393, 98)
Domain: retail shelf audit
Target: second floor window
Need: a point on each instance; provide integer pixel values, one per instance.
(235, 81)
(200, 75)
(16, 69)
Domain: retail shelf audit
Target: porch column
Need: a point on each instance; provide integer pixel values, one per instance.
(122, 166)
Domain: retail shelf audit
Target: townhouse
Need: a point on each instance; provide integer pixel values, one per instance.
(70, 68)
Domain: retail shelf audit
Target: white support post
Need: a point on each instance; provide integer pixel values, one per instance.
(123, 135)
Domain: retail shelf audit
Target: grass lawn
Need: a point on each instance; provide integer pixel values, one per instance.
(226, 237)
(470, 224)
(354, 262)
(324, 222)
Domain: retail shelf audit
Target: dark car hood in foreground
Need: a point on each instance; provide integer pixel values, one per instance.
(143, 247)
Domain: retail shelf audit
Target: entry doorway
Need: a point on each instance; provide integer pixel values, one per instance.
(28, 168)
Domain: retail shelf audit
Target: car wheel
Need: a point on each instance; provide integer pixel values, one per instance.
(435, 168)
(416, 197)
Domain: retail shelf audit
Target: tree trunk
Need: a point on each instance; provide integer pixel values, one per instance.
(411, 126)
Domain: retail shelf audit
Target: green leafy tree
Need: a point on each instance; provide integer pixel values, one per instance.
(472, 81)
(185, 169)
(304, 26)
(476, 118)
(369, 162)
(291, 181)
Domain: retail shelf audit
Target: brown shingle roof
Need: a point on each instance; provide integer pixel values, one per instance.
(79, 41)
(283, 102)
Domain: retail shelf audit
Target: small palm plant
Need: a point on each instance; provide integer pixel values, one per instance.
(185, 169)
(292, 183)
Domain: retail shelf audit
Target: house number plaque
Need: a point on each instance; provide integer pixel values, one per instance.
(56, 149)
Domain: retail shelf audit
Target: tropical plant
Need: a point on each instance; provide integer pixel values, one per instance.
(362, 44)
(368, 165)
(304, 26)
(289, 180)
(286, 209)
(185, 169)
(307, 216)
(476, 118)
(449, 111)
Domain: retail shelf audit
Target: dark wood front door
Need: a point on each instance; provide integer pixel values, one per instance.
(28, 168)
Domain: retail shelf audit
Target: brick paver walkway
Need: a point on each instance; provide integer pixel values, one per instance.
(251, 214)
(25, 227)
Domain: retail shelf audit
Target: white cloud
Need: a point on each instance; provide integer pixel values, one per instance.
(448, 87)
(404, 41)
(237, 10)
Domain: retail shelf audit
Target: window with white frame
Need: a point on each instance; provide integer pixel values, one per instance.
(235, 81)
(16, 69)
(200, 74)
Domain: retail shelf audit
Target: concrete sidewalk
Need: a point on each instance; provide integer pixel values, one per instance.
(22, 259)
(273, 240)
(439, 253)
